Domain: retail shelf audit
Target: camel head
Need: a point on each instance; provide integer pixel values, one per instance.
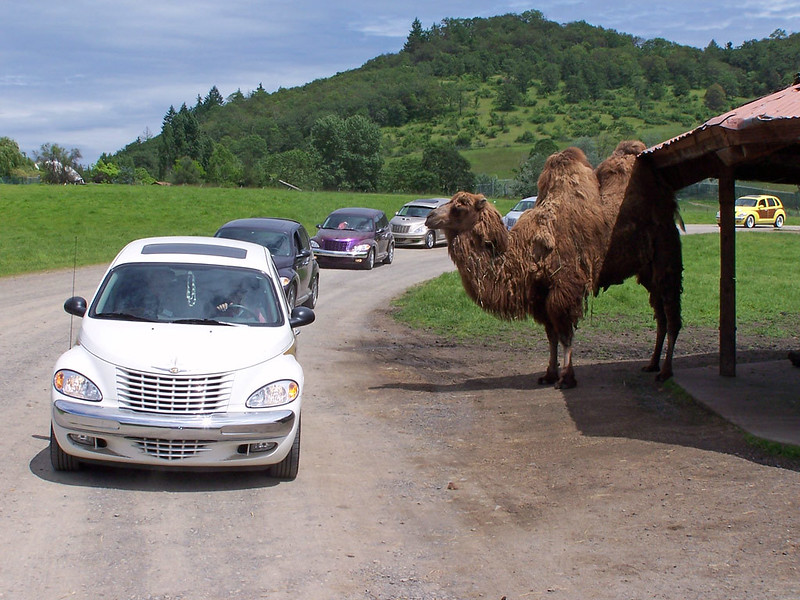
(470, 214)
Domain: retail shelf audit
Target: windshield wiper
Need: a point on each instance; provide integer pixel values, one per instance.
(202, 322)
(123, 316)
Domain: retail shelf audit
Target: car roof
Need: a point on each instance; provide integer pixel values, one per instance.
(195, 249)
(356, 210)
(758, 196)
(264, 223)
(428, 202)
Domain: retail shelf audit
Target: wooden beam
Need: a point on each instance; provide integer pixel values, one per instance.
(727, 273)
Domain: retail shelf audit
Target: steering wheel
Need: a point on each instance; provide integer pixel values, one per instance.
(243, 310)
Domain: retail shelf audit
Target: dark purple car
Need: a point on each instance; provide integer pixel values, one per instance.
(358, 236)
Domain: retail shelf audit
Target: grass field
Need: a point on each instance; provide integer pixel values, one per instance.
(52, 227)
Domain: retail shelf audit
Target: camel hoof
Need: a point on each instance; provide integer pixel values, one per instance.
(651, 368)
(547, 379)
(663, 376)
(566, 384)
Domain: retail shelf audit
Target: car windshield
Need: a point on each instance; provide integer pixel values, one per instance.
(277, 242)
(414, 211)
(350, 222)
(188, 293)
(523, 205)
(746, 201)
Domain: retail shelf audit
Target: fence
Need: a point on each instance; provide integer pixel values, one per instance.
(20, 180)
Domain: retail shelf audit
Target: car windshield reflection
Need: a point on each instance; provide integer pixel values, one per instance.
(188, 293)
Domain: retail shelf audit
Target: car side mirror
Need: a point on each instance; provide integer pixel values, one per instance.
(75, 306)
(304, 253)
(301, 315)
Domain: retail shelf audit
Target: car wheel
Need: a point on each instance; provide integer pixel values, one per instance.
(60, 460)
(291, 296)
(369, 262)
(389, 255)
(779, 221)
(312, 299)
(288, 467)
(430, 239)
(750, 222)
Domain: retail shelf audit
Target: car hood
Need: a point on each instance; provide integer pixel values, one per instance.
(344, 234)
(398, 219)
(188, 348)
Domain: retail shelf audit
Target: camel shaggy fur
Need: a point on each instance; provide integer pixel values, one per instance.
(641, 213)
(545, 267)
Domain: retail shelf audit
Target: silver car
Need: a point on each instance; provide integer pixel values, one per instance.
(520, 207)
(408, 223)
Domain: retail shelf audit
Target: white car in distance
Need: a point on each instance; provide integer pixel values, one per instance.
(186, 358)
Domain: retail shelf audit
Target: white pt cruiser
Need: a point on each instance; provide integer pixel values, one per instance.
(186, 357)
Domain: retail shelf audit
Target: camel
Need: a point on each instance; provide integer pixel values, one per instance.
(546, 266)
(641, 213)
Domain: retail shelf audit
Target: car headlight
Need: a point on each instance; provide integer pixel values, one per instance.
(274, 394)
(285, 281)
(362, 248)
(315, 244)
(740, 215)
(76, 385)
(419, 228)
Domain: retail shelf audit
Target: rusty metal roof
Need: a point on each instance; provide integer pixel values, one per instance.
(759, 141)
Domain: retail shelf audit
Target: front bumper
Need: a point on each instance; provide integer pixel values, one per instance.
(211, 440)
(410, 239)
(342, 254)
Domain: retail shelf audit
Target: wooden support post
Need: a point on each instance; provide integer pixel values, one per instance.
(727, 274)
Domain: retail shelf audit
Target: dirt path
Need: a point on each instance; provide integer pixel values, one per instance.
(428, 471)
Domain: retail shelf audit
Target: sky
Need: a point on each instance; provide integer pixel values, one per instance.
(97, 75)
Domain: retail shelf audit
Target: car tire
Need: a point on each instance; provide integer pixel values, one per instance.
(430, 239)
(369, 262)
(291, 296)
(289, 466)
(779, 221)
(389, 255)
(750, 221)
(312, 299)
(60, 460)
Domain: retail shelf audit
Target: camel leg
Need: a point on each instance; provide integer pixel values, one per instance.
(672, 310)
(567, 378)
(661, 332)
(551, 375)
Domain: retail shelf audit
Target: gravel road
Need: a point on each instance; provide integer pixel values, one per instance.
(427, 471)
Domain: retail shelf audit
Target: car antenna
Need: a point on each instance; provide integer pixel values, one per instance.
(74, 269)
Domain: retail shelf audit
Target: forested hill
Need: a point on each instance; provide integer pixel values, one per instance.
(489, 89)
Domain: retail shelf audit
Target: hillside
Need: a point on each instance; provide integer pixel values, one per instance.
(494, 90)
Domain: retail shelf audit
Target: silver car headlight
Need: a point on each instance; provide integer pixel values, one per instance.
(419, 228)
(362, 248)
(76, 385)
(274, 394)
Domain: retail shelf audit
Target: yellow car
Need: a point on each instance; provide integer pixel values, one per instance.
(759, 210)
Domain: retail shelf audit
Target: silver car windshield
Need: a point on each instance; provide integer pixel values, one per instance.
(188, 293)
(414, 211)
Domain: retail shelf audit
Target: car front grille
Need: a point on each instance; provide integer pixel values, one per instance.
(335, 245)
(400, 228)
(173, 394)
(170, 450)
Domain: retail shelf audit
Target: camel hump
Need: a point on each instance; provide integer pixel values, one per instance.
(630, 147)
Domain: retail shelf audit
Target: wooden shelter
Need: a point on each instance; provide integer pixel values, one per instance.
(758, 141)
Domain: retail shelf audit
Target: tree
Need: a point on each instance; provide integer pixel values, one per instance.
(407, 175)
(10, 157)
(715, 98)
(526, 177)
(59, 165)
(416, 37)
(187, 171)
(223, 167)
(348, 151)
(452, 171)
